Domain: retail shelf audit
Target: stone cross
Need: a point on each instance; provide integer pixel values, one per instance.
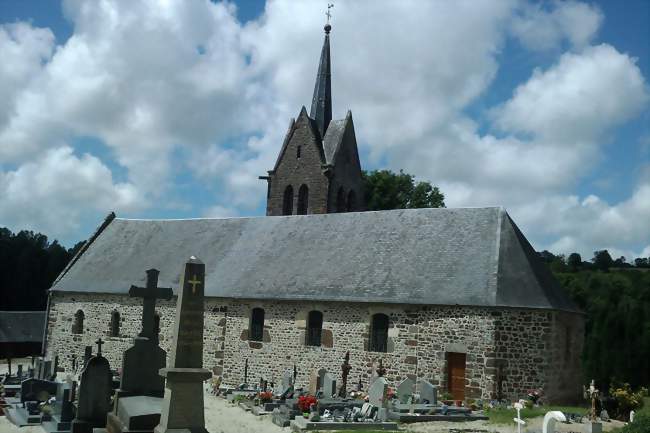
(99, 344)
(592, 394)
(345, 370)
(149, 294)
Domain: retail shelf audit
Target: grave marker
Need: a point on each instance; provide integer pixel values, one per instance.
(378, 392)
(94, 394)
(405, 390)
(182, 408)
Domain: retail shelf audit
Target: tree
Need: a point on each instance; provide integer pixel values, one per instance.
(34, 263)
(602, 260)
(386, 190)
(574, 262)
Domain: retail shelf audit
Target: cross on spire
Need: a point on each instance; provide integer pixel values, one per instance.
(328, 13)
(99, 346)
(149, 294)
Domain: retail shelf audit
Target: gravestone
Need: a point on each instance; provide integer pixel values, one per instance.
(404, 390)
(548, 426)
(19, 372)
(37, 368)
(139, 400)
(428, 392)
(182, 408)
(316, 381)
(46, 372)
(33, 389)
(287, 380)
(94, 394)
(328, 385)
(378, 392)
(143, 360)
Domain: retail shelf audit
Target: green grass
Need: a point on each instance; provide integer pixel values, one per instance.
(505, 416)
(645, 410)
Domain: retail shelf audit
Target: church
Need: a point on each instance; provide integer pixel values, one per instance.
(455, 296)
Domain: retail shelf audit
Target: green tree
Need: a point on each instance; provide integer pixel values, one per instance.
(386, 190)
(574, 262)
(602, 260)
(29, 263)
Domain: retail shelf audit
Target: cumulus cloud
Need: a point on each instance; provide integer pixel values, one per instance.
(178, 88)
(53, 192)
(541, 28)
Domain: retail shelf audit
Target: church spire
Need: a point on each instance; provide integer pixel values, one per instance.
(321, 104)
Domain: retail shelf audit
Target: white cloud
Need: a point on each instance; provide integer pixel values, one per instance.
(54, 192)
(540, 29)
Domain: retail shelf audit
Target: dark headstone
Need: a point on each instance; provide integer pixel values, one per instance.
(182, 408)
(94, 395)
(19, 372)
(142, 361)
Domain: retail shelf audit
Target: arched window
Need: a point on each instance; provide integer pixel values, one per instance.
(379, 333)
(287, 203)
(78, 325)
(314, 328)
(257, 325)
(115, 324)
(340, 200)
(303, 200)
(352, 201)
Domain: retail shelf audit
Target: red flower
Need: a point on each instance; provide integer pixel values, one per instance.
(305, 402)
(266, 396)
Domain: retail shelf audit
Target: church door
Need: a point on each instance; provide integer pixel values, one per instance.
(456, 375)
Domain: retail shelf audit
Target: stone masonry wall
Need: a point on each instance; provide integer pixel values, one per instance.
(419, 339)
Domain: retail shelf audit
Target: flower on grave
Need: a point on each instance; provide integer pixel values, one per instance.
(305, 402)
(266, 396)
(390, 393)
(534, 395)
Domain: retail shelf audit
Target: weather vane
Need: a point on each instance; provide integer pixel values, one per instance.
(328, 13)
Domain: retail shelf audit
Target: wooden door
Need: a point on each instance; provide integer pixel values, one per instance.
(456, 375)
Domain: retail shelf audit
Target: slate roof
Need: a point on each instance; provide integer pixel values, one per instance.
(467, 256)
(21, 326)
(333, 138)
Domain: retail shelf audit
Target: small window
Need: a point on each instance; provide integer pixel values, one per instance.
(298, 149)
(379, 333)
(287, 203)
(303, 200)
(314, 328)
(340, 200)
(115, 324)
(78, 325)
(352, 201)
(257, 325)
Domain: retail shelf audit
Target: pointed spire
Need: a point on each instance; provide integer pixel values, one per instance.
(321, 104)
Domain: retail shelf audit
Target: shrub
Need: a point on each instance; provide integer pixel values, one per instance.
(641, 424)
(626, 400)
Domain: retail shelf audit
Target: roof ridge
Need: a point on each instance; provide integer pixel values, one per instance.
(109, 218)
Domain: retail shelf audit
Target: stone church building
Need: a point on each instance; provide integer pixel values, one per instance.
(455, 296)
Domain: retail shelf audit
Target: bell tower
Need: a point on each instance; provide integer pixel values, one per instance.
(317, 170)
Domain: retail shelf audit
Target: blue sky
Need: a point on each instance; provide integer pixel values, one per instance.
(172, 110)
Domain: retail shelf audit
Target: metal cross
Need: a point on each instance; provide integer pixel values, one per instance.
(328, 13)
(194, 282)
(99, 346)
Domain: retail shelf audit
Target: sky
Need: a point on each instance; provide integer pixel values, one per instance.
(173, 108)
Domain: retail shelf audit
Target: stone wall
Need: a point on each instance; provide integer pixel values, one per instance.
(525, 343)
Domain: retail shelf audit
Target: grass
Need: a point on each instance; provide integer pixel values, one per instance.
(505, 416)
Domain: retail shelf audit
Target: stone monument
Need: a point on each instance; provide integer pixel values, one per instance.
(142, 361)
(183, 402)
(138, 402)
(345, 371)
(94, 394)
